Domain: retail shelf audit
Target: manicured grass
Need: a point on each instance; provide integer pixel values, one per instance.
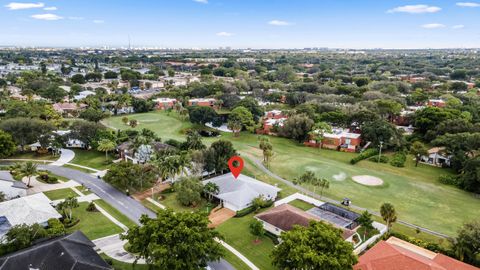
(118, 265)
(60, 194)
(234, 260)
(301, 204)
(90, 158)
(84, 190)
(170, 201)
(151, 206)
(115, 213)
(237, 234)
(93, 224)
(167, 124)
(414, 191)
(33, 155)
(78, 168)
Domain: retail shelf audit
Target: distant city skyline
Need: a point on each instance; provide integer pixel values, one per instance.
(357, 24)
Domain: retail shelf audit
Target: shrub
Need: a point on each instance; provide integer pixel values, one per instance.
(244, 212)
(91, 207)
(424, 244)
(55, 227)
(383, 159)
(398, 159)
(364, 155)
(449, 180)
(52, 180)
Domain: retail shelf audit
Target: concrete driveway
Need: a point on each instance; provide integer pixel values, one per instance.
(66, 156)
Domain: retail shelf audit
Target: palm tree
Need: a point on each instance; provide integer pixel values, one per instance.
(236, 126)
(28, 170)
(67, 207)
(267, 149)
(106, 145)
(365, 220)
(388, 213)
(323, 184)
(211, 189)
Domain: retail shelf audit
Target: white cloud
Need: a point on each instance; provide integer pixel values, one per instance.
(17, 6)
(468, 4)
(98, 21)
(201, 1)
(458, 26)
(433, 25)
(50, 8)
(75, 18)
(279, 23)
(224, 34)
(47, 17)
(415, 9)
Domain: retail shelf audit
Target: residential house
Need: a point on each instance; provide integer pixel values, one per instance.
(10, 187)
(437, 157)
(74, 251)
(83, 95)
(401, 255)
(439, 103)
(203, 102)
(339, 139)
(282, 218)
(142, 155)
(69, 109)
(237, 194)
(165, 103)
(28, 210)
(272, 119)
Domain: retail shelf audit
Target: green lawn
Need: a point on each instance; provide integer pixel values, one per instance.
(301, 204)
(90, 158)
(170, 201)
(237, 234)
(33, 155)
(415, 192)
(118, 265)
(60, 194)
(93, 224)
(115, 213)
(234, 260)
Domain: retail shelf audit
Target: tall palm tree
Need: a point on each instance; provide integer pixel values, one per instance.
(388, 213)
(210, 189)
(106, 145)
(28, 170)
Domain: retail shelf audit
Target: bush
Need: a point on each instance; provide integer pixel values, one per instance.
(449, 180)
(173, 143)
(398, 159)
(383, 159)
(91, 207)
(244, 212)
(364, 155)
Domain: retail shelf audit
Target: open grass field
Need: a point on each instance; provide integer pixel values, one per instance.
(93, 224)
(415, 192)
(237, 233)
(60, 194)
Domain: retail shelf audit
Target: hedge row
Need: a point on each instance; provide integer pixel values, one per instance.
(364, 155)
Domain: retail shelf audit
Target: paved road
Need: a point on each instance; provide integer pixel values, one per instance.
(128, 206)
(323, 198)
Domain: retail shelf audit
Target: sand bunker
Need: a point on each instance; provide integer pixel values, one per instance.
(340, 177)
(367, 180)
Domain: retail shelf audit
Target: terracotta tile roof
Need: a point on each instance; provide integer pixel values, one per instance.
(392, 256)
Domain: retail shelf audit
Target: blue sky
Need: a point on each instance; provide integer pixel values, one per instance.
(242, 23)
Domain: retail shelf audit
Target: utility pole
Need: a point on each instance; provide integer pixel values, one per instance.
(380, 152)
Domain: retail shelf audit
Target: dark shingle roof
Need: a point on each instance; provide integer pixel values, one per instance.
(70, 252)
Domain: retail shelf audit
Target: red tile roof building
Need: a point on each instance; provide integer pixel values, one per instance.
(396, 254)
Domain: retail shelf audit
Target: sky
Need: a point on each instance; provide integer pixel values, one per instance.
(354, 24)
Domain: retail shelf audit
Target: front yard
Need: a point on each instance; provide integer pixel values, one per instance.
(236, 233)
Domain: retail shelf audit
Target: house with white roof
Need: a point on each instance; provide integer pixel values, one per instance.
(237, 194)
(83, 95)
(28, 210)
(11, 187)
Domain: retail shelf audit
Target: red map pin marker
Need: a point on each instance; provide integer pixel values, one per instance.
(235, 170)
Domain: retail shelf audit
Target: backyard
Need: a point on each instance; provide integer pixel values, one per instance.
(415, 192)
